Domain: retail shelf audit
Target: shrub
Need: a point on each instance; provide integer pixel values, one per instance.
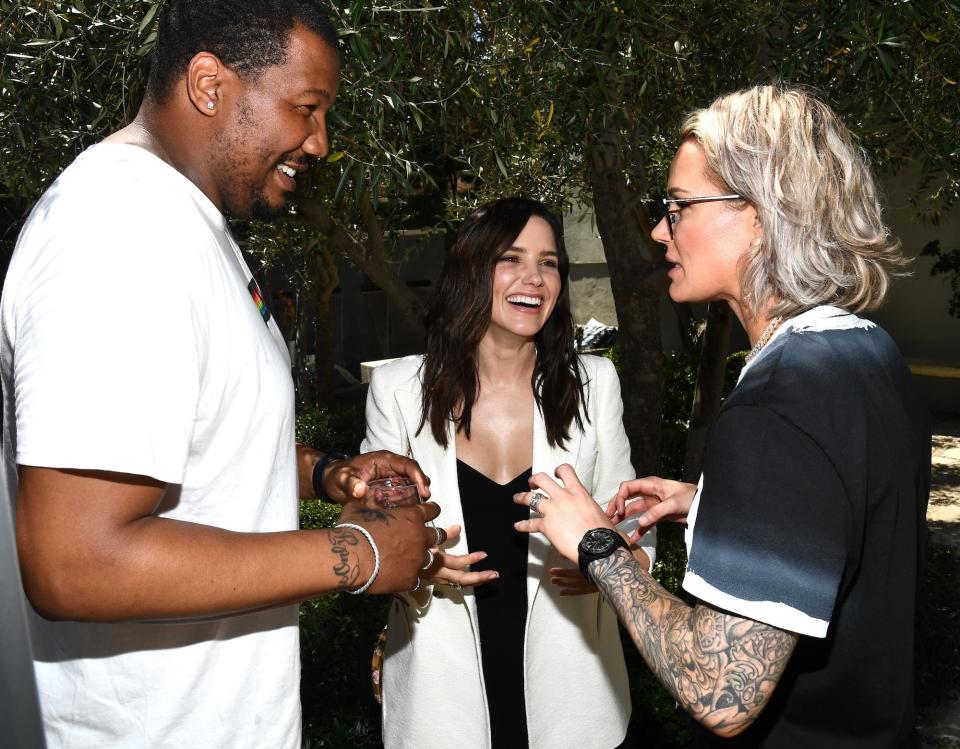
(337, 632)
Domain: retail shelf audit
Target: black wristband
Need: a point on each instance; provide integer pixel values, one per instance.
(318, 468)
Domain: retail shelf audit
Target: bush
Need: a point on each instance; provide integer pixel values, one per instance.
(938, 617)
(338, 430)
(337, 632)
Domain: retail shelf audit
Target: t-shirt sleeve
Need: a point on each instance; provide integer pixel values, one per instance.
(772, 528)
(108, 353)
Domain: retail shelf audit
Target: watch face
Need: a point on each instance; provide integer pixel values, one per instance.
(599, 541)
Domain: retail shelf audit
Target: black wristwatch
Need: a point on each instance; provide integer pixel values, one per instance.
(319, 467)
(598, 544)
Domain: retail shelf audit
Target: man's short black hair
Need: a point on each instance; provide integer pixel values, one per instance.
(249, 36)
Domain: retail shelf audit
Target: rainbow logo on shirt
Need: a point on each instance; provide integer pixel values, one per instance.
(262, 307)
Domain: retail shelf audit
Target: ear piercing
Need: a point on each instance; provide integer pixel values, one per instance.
(211, 105)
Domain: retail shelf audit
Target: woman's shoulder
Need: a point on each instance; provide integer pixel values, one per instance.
(399, 372)
(596, 366)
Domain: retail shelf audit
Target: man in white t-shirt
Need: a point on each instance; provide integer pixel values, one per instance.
(150, 443)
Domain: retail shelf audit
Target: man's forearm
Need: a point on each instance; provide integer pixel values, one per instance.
(721, 668)
(170, 569)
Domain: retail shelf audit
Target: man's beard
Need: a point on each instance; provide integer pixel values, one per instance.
(262, 210)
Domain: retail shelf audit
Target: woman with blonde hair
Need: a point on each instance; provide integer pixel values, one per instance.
(806, 531)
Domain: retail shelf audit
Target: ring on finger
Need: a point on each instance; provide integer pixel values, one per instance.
(536, 499)
(441, 536)
(430, 558)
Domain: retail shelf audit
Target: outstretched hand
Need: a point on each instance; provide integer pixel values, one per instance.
(454, 569)
(567, 515)
(654, 499)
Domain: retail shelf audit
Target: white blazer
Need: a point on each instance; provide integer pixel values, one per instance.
(576, 688)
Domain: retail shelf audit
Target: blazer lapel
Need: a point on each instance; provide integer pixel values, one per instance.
(545, 460)
(440, 464)
(441, 467)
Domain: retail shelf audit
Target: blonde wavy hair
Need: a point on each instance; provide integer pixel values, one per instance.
(823, 238)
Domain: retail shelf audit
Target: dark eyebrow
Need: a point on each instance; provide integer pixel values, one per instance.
(321, 93)
(542, 253)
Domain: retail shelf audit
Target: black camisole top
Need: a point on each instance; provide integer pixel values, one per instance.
(489, 513)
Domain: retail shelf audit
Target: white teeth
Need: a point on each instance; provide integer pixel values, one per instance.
(289, 171)
(528, 300)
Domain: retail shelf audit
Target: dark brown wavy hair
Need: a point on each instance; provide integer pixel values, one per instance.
(458, 316)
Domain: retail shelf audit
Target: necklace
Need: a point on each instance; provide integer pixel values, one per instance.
(764, 337)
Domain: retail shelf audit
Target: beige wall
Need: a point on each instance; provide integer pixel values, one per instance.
(915, 313)
(590, 294)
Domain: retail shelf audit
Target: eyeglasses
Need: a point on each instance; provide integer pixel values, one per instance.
(674, 216)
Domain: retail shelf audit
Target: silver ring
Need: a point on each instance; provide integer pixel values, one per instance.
(430, 558)
(416, 587)
(536, 499)
(441, 536)
(457, 586)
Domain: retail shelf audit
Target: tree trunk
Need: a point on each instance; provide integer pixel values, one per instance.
(371, 259)
(325, 278)
(711, 367)
(306, 324)
(636, 283)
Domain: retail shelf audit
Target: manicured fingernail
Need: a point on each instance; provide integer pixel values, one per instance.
(483, 555)
(495, 575)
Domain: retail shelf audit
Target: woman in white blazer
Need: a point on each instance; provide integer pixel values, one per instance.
(523, 652)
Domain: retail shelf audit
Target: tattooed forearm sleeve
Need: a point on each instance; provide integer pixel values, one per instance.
(721, 668)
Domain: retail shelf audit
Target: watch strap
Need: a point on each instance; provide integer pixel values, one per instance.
(318, 469)
(584, 558)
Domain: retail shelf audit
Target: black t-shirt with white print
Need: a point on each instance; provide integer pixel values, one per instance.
(811, 518)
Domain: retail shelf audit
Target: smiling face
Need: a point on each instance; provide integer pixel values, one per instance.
(526, 282)
(710, 240)
(276, 128)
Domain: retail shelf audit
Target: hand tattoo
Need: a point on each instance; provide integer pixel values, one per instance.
(720, 667)
(369, 514)
(342, 543)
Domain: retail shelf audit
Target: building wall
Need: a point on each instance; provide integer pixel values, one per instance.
(915, 313)
(590, 293)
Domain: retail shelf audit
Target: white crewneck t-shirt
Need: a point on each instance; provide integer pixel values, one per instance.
(131, 342)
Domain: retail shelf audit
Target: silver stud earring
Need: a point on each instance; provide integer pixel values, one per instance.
(211, 105)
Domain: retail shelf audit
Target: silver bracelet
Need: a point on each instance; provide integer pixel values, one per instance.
(376, 556)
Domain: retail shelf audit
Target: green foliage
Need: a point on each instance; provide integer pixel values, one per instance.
(947, 264)
(680, 375)
(71, 73)
(339, 429)
(938, 616)
(655, 715)
(337, 635)
(679, 378)
(337, 632)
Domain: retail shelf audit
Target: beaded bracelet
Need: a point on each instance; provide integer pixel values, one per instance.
(376, 556)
